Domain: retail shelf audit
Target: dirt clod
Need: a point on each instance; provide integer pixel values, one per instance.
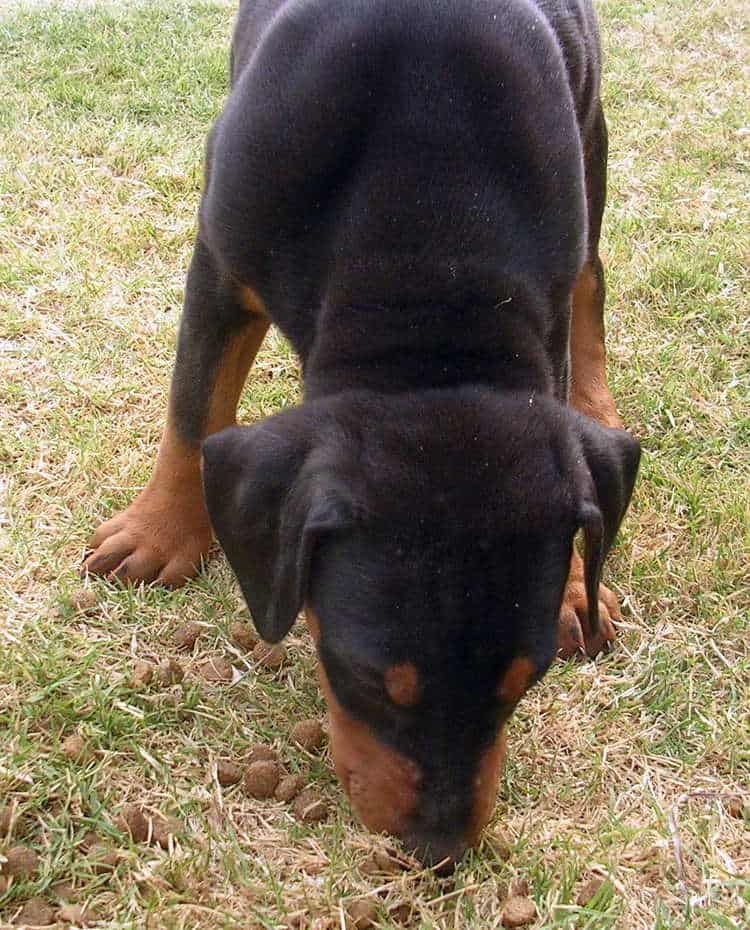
(519, 887)
(518, 911)
(76, 914)
(387, 861)
(216, 669)
(101, 861)
(22, 862)
(133, 821)
(261, 779)
(310, 806)
(65, 891)
(308, 734)
(169, 672)
(83, 601)
(271, 657)
(289, 787)
(142, 674)
(228, 773)
(589, 890)
(362, 913)
(500, 845)
(74, 748)
(35, 913)
(244, 635)
(186, 634)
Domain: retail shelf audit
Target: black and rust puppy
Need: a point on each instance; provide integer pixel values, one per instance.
(412, 191)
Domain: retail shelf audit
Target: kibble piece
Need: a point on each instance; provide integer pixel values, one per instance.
(162, 828)
(169, 672)
(142, 674)
(65, 891)
(518, 911)
(362, 913)
(228, 773)
(261, 753)
(83, 601)
(261, 779)
(186, 634)
(35, 913)
(101, 861)
(271, 657)
(589, 890)
(385, 860)
(244, 635)
(310, 806)
(216, 669)
(6, 820)
(736, 807)
(134, 821)
(76, 914)
(308, 734)
(22, 862)
(74, 748)
(289, 787)
(401, 913)
(519, 887)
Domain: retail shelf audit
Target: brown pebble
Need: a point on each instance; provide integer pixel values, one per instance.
(401, 913)
(270, 657)
(134, 821)
(216, 669)
(22, 862)
(289, 787)
(76, 914)
(142, 674)
(589, 890)
(162, 828)
(83, 601)
(169, 672)
(186, 634)
(35, 913)
(261, 753)
(310, 806)
(518, 911)
(74, 748)
(228, 773)
(244, 635)
(736, 807)
(362, 913)
(261, 779)
(308, 734)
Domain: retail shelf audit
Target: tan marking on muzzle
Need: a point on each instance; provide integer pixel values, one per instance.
(381, 783)
(516, 679)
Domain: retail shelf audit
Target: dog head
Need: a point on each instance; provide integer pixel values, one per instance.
(428, 538)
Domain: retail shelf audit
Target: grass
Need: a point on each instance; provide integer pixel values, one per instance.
(613, 764)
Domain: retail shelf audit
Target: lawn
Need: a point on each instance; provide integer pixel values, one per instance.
(632, 769)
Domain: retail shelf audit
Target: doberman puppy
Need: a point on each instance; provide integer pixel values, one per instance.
(412, 191)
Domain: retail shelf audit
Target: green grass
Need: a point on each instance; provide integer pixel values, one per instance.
(103, 117)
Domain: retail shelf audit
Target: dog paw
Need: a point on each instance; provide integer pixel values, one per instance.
(574, 634)
(159, 538)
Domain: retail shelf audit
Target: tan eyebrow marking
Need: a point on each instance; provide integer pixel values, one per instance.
(516, 679)
(402, 684)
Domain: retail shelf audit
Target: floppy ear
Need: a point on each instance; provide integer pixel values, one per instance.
(608, 465)
(268, 511)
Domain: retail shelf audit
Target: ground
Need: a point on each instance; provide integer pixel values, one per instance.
(629, 768)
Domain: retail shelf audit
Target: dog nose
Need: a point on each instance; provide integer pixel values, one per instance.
(437, 853)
